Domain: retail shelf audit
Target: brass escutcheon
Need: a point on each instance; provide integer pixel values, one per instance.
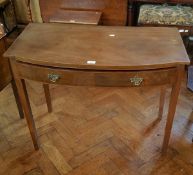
(136, 81)
(53, 77)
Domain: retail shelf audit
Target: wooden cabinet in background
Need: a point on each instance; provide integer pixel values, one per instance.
(133, 7)
(114, 12)
(5, 75)
(76, 17)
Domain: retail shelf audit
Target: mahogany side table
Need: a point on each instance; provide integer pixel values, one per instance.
(82, 55)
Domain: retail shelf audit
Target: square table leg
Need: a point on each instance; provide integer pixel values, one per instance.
(22, 91)
(172, 107)
(20, 83)
(18, 102)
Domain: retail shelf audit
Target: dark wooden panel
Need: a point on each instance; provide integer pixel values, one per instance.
(114, 11)
(48, 8)
(5, 76)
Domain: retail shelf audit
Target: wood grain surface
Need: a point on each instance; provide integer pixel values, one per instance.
(5, 74)
(109, 48)
(96, 78)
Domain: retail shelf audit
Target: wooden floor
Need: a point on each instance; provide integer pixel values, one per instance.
(95, 131)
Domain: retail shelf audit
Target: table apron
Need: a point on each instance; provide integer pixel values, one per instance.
(78, 77)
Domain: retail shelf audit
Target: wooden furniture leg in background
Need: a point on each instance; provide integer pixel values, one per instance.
(161, 101)
(160, 113)
(17, 99)
(130, 13)
(48, 97)
(172, 108)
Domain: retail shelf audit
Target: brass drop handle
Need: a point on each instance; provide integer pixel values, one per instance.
(53, 77)
(136, 81)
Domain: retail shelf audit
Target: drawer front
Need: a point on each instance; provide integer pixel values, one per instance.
(96, 78)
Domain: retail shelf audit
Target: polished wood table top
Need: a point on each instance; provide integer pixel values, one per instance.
(99, 47)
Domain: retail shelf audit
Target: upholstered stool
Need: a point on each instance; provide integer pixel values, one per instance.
(166, 15)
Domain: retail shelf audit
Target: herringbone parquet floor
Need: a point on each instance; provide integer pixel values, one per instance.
(95, 131)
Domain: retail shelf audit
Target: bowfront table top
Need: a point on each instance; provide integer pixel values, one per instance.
(99, 47)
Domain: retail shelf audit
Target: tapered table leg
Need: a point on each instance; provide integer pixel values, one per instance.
(18, 102)
(172, 108)
(27, 110)
(48, 97)
(24, 99)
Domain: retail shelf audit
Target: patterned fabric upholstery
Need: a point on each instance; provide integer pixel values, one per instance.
(166, 14)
